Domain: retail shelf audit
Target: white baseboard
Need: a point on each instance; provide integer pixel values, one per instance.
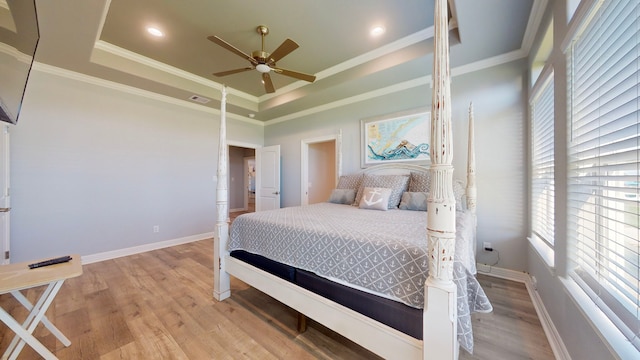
(108, 255)
(555, 341)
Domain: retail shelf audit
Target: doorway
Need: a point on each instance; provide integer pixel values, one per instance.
(242, 175)
(319, 169)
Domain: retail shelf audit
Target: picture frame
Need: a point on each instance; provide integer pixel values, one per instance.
(399, 137)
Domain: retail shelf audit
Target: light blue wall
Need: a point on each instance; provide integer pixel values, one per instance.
(94, 169)
(498, 94)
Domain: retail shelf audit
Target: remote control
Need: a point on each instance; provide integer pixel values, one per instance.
(58, 260)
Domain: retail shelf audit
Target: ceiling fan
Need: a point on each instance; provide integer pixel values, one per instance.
(263, 61)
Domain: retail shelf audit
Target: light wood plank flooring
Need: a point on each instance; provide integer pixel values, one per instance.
(159, 305)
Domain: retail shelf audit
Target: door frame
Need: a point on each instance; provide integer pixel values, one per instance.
(5, 217)
(240, 144)
(304, 165)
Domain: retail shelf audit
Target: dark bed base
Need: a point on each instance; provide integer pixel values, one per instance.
(399, 316)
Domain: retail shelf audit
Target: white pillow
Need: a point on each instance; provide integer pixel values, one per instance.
(375, 198)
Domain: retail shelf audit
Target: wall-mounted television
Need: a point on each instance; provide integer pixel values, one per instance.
(19, 37)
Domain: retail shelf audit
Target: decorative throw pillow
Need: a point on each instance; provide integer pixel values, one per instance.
(414, 201)
(419, 181)
(349, 181)
(397, 183)
(342, 196)
(459, 193)
(375, 198)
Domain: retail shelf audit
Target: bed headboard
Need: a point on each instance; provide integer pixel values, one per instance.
(394, 169)
(459, 190)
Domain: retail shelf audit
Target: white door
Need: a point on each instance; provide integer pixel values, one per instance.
(5, 200)
(268, 178)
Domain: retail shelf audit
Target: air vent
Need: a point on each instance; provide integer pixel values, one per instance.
(200, 99)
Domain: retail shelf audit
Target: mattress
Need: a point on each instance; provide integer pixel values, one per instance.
(397, 315)
(379, 252)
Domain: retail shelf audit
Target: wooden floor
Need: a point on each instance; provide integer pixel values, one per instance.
(159, 305)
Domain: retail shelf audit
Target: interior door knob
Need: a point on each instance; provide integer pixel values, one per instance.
(276, 192)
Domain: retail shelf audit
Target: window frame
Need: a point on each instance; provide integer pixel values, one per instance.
(596, 307)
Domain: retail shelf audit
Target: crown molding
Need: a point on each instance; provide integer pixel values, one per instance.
(535, 18)
(458, 71)
(425, 80)
(15, 53)
(54, 70)
(399, 44)
(353, 99)
(157, 65)
(461, 70)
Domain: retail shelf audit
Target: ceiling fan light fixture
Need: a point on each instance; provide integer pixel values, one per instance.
(263, 68)
(263, 61)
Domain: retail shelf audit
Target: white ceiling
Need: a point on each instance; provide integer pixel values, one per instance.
(107, 40)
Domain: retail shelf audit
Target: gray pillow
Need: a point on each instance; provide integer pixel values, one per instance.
(349, 181)
(342, 196)
(420, 181)
(414, 201)
(397, 183)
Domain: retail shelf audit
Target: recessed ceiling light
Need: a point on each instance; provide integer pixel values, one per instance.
(377, 31)
(155, 31)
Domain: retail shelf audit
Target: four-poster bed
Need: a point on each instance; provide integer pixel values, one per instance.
(439, 300)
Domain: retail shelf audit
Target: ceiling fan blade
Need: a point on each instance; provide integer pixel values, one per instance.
(295, 74)
(232, 48)
(234, 71)
(268, 84)
(283, 50)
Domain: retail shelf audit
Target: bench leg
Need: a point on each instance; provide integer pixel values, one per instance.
(45, 321)
(25, 336)
(25, 331)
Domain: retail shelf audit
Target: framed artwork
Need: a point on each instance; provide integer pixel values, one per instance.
(400, 137)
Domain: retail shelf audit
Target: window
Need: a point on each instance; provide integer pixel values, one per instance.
(542, 159)
(604, 164)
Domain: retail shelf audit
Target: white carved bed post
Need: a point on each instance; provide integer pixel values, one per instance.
(440, 311)
(221, 283)
(471, 165)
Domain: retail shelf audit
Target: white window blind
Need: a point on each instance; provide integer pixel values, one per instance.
(604, 164)
(542, 161)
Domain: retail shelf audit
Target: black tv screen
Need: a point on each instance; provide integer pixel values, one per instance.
(19, 37)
